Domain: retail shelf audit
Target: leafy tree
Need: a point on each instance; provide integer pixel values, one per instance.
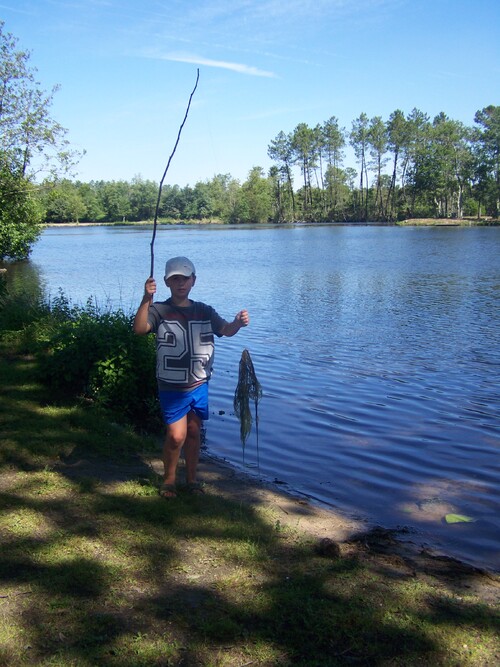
(62, 201)
(203, 203)
(255, 198)
(171, 201)
(416, 179)
(89, 195)
(143, 197)
(220, 188)
(377, 139)
(20, 215)
(220, 197)
(116, 200)
(488, 156)
(359, 140)
(305, 150)
(234, 200)
(189, 208)
(31, 142)
(397, 139)
(332, 149)
(281, 151)
(452, 157)
(340, 182)
(277, 192)
(31, 138)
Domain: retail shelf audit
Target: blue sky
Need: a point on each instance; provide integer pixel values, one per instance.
(126, 69)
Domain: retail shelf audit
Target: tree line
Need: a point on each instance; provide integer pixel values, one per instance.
(406, 166)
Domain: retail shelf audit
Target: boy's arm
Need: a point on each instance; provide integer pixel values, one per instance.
(141, 324)
(242, 319)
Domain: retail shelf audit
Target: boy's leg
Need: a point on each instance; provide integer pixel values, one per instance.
(175, 437)
(192, 446)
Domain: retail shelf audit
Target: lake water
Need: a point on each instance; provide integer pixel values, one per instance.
(377, 348)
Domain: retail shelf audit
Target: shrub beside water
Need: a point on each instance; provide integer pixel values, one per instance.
(84, 352)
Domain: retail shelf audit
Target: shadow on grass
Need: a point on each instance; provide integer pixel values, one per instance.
(143, 571)
(96, 568)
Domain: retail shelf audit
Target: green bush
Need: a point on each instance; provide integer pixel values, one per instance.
(96, 355)
(83, 352)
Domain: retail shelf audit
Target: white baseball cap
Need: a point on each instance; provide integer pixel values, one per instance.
(179, 266)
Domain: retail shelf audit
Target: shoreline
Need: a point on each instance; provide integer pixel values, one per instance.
(416, 222)
(326, 529)
(291, 510)
(301, 513)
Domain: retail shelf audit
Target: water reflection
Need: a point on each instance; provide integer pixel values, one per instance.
(23, 277)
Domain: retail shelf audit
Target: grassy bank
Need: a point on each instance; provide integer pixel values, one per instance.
(449, 222)
(97, 569)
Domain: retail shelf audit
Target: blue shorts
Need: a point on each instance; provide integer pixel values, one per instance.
(176, 404)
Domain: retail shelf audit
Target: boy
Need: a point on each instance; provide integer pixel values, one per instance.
(184, 356)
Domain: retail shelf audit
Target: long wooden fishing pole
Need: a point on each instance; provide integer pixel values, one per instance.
(155, 222)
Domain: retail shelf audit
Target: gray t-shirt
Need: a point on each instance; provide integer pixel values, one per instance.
(184, 343)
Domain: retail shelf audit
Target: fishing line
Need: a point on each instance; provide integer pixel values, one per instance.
(151, 273)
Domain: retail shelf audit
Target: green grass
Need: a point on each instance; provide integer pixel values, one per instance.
(97, 569)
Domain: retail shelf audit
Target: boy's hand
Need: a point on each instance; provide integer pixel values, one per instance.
(141, 325)
(242, 318)
(150, 288)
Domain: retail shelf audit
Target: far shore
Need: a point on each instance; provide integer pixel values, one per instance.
(449, 222)
(420, 222)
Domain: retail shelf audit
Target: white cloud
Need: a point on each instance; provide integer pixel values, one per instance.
(240, 68)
